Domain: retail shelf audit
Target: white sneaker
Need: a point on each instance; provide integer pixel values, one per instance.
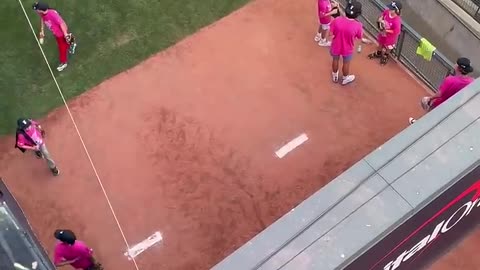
(318, 37)
(324, 43)
(348, 79)
(335, 77)
(61, 67)
(411, 120)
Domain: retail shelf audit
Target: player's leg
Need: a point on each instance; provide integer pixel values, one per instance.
(347, 77)
(38, 154)
(386, 54)
(335, 67)
(50, 162)
(62, 52)
(427, 105)
(318, 36)
(324, 32)
(378, 52)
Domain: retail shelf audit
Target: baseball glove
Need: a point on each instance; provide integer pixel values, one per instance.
(70, 38)
(381, 25)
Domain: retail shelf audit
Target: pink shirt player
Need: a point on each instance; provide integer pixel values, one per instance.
(345, 31)
(30, 136)
(53, 21)
(33, 132)
(450, 86)
(391, 23)
(79, 252)
(70, 251)
(324, 7)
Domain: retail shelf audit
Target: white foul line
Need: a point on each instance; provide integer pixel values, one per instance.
(144, 245)
(79, 134)
(284, 150)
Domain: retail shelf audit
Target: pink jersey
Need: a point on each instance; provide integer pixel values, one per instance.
(34, 133)
(53, 20)
(324, 7)
(65, 252)
(450, 86)
(394, 24)
(345, 31)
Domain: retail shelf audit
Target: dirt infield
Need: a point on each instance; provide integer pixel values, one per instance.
(464, 256)
(184, 143)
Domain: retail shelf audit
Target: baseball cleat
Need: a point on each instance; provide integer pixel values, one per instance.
(384, 60)
(55, 171)
(335, 77)
(348, 79)
(324, 43)
(61, 67)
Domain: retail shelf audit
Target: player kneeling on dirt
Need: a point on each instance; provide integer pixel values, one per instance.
(31, 136)
(390, 26)
(451, 85)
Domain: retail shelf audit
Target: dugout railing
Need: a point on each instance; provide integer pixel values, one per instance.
(430, 72)
(472, 7)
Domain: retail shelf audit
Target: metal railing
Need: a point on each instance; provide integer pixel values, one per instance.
(472, 7)
(431, 72)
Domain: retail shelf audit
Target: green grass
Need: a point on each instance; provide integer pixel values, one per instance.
(112, 35)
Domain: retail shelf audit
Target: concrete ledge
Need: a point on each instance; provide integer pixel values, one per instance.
(465, 18)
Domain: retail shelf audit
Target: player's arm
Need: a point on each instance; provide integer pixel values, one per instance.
(42, 28)
(64, 28)
(24, 146)
(362, 37)
(63, 263)
(333, 11)
(443, 87)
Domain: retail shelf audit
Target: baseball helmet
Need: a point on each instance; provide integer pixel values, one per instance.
(353, 9)
(23, 123)
(395, 5)
(40, 6)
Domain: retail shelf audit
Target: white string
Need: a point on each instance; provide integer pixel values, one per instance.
(79, 135)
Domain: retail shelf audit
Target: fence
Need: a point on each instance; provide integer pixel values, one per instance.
(472, 7)
(430, 72)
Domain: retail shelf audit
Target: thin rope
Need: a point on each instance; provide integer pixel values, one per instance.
(79, 135)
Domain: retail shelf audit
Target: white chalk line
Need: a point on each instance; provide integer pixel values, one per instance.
(79, 134)
(139, 248)
(290, 146)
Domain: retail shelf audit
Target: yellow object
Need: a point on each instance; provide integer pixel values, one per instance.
(425, 49)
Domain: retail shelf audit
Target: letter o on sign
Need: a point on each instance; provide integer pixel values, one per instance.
(446, 227)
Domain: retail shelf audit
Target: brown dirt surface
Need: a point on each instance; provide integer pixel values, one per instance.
(184, 142)
(461, 257)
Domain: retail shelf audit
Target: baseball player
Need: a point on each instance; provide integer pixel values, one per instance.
(390, 26)
(345, 31)
(70, 251)
(31, 136)
(451, 85)
(325, 13)
(65, 40)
